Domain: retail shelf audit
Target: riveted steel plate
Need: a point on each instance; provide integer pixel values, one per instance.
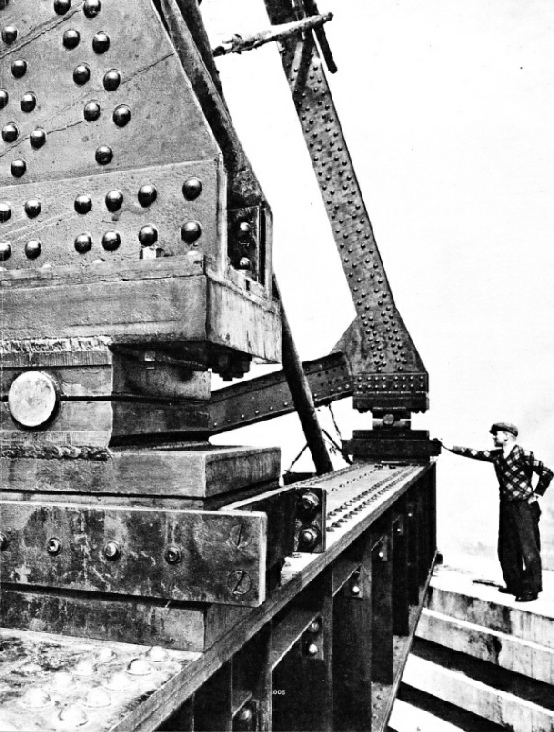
(136, 67)
(378, 341)
(221, 555)
(78, 679)
(138, 228)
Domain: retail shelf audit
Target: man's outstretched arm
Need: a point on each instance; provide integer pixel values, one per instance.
(485, 455)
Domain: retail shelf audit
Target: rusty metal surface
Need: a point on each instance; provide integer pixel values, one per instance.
(114, 203)
(53, 682)
(377, 343)
(269, 396)
(196, 556)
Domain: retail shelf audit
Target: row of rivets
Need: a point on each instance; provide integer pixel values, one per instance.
(112, 549)
(37, 138)
(91, 8)
(100, 43)
(121, 115)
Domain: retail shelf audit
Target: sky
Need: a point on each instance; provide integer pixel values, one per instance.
(448, 112)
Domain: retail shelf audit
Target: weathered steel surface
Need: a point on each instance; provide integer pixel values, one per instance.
(269, 396)
(51, 682)
(221, 556)
(377, 343)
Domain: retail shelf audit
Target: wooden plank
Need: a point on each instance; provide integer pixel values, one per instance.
(195, 556)
(202, 472)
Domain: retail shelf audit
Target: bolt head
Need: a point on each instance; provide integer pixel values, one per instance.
(71, 38)
(309, 501)
(114, 200)
(148, 235)
(28, 102)
(192, 188)
(112, 551)
(83, 204)
(147, 195)
(191, 232)
(173, 554)
(111, 241)
(112, 80)
(33, 249)
(54, 546)
(121, 115)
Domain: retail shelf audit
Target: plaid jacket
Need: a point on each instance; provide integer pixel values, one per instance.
(515, 472)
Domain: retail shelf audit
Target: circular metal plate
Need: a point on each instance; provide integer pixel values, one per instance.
(32, 398)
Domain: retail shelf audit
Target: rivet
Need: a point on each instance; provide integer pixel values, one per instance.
(83, 243)
(147, 195)
(54, 546)
(119, 681)
(312, 649)
(10, 132)
(5, 212)
(192, 188)
(4, 543)
(33, 249)
(18, 168)
(9, 34)
(112, 80)
(91, 8)
(244, 263)
(191, 231)
(91, 111)
(309, 501)
(355, 590)
(72, 716)
(114, 200)
(71, 38)
(121, 115)
(4, 98)
(244, 230)
(97, 698)
(308, 537)
(28, 102)
(5, 250)
(104, 155)
(37, 138)
(36, 698)
(173, 554)
(246, 714)
(157, 654)
(100, 42)
(315, 627)
(111, 241)
(81, 74)
(112, 551)
(139, 667)
(148, 235)
(19, 68)
(83, 204)
(61, 7)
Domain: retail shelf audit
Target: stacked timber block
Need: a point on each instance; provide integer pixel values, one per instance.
(480, 660)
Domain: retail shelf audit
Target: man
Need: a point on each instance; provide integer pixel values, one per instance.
(519, 541)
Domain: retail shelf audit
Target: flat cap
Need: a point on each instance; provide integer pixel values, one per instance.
(504, 427)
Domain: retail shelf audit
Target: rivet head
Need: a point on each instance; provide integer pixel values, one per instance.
(315, 627)
(92, 111)
(112, 551)
(4, 543)
(19, 68)
(18, 168)
(147, 195)
(139, 667)
(83, 243)
(98, 698)
(4, 98)
(61, 7)
(244, 263)
(111, 241)
(309, 501)
(191, 231)
(121, 115)
(114, 200)
(312, 650)
(148, 235)
(9, 34)
(72, 716)
(5, 212)
(37, 138)
(28, 102)
(112, 80)
(308, 537)
(104, 155)
(10, 132)
(101, 43)
(33, 249)
(36, 698)
(91, 8)
(71, 38)
(355, 590)
(54, 546)
(244, 230)
(173, 554)
(246, 714)
(83, 204)
(81, 75)
(5, 251)
(192, 188)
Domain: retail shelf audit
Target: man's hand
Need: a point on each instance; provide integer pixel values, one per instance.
(444, 444)
(533, 499)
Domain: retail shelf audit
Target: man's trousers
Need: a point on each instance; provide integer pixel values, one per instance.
(519, 546)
